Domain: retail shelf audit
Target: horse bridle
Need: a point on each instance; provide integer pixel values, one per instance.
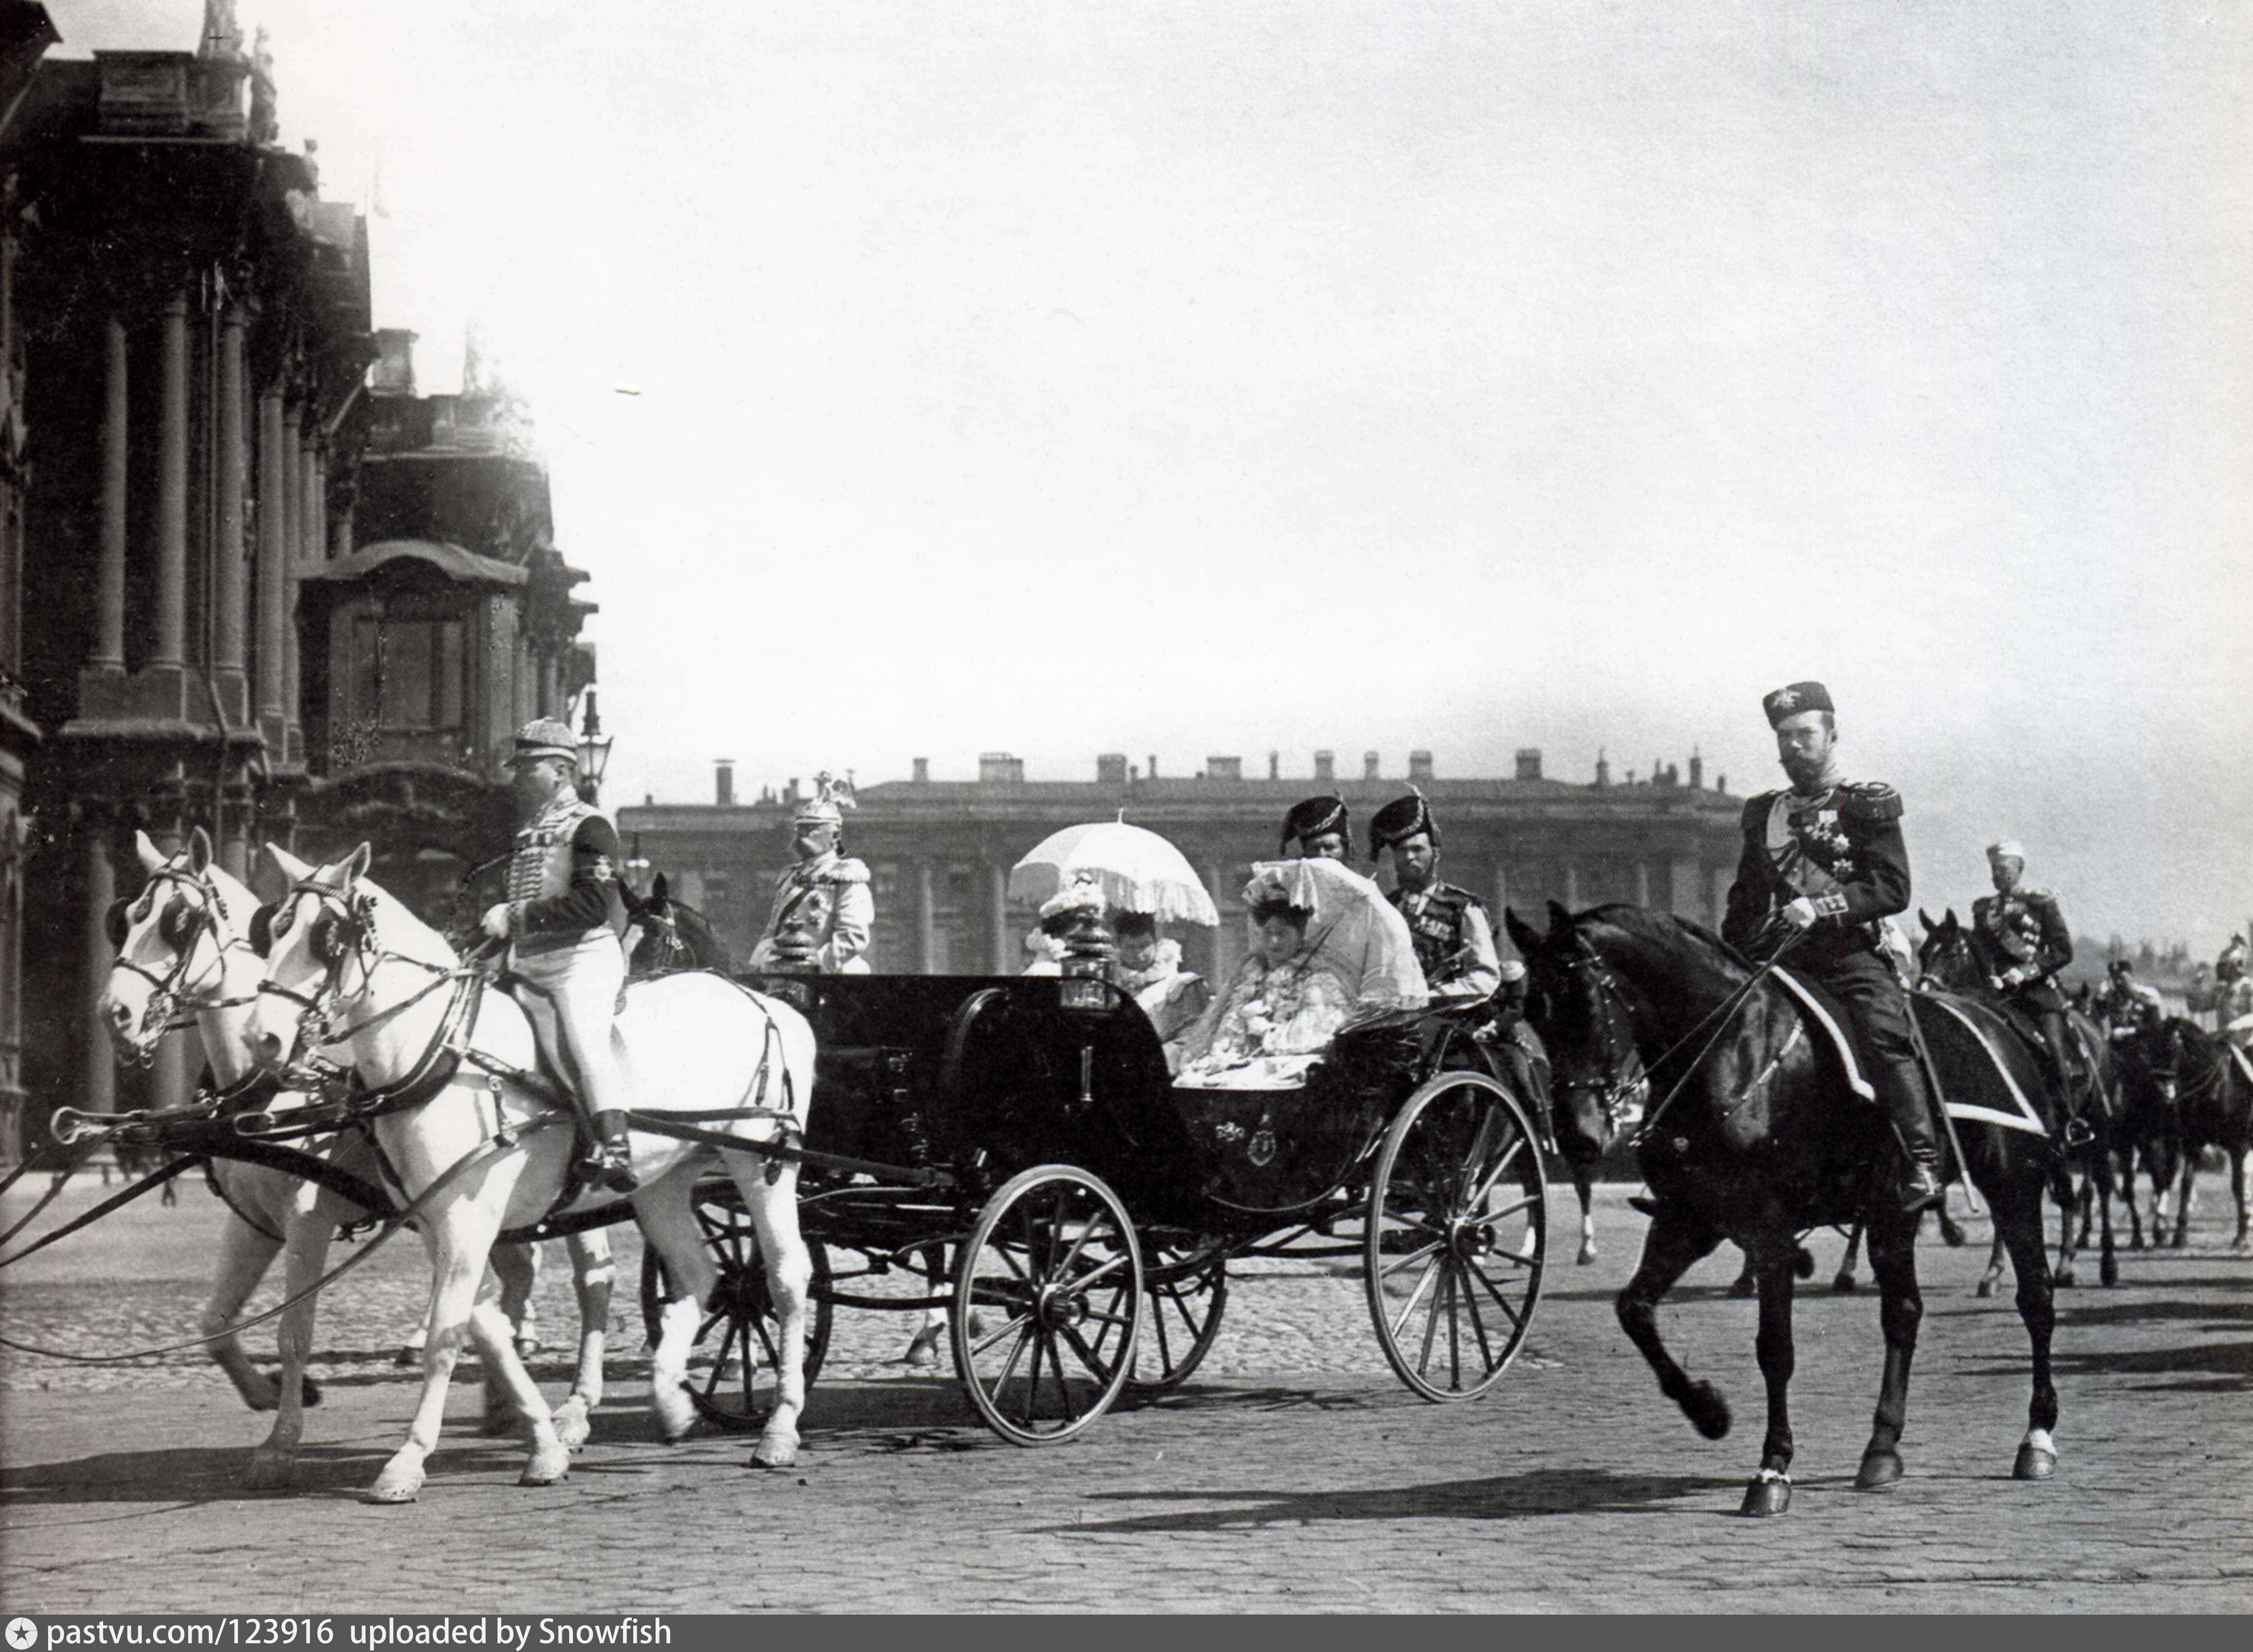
(356, 940)
(1614, 1088)
(171, 991)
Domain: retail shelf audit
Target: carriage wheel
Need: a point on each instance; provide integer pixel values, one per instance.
(1458, 1228)
(736, 1391)
(1187, 1294)
(1055, 1263)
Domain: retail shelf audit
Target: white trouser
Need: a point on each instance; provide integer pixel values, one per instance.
(575, 1011)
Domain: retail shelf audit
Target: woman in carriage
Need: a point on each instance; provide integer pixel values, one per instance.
(1328, 950)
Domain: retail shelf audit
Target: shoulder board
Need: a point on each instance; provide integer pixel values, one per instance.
(1870, 800)
(847, 870)
(2043, 895)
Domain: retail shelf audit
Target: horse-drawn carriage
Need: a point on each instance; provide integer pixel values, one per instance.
(1017, 1146)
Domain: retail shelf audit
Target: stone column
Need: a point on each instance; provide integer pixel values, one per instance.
(1500, 896)
(926, 921)
(272, 588)
(172, 488)
(228, 580)
(97, 1068)
(1572, 887)
(109, 577)
(289, 477)
(312, 526)
(1684, 896)
(997, 881)
(1643, 883)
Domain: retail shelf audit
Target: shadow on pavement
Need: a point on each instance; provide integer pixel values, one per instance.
(1540, 1491)
(190, 1476)
(2203, 1367)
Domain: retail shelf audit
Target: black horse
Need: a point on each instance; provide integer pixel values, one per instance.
(2186, 1093)
(1945, 960)
(2156, 1058)
(673, 936)
(1755, 1136)
(2217, 1103)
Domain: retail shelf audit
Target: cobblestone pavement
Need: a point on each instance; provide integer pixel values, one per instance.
(1292, 1474)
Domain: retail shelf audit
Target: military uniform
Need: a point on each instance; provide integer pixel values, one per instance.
(1311, 820)
(1454, 937)
(823, 907)
(1841, 850)
(2020, 940)
(565, 916)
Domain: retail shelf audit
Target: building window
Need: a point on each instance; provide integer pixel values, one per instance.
(410, 674)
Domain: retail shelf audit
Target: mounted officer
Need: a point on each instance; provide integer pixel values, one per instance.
(1321, 826)
(2020, 939)
(823, 909)
(2123, 1004)
(1825, 859)
(563, 917)
(1454, 940)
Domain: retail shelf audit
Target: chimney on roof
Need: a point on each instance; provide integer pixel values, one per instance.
(922, 771)
(1603, 768)
(393, 375)
(1325, 765)
(1419, 766)
(1368, 766)
(1224, 768)
(1696, 770)
(1274, 765)
(723, 782)
(1000, 769)
(790, 792)
(1111, 769)
(1154, 765)
(1529, 763)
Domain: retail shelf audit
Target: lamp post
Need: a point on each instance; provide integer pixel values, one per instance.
(594, 748)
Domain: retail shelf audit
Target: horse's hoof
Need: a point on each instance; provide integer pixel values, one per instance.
(527, 1347)
(271, 1470)
(923, 1350)
(309, 1392)
(395, 1488)
(1950, 1234)
(1802, 1262)
(2109, 1271)
(1768, 1493)
(1843, 1284)
(409, 1354)
(1881, 1467)
(1743, 1285)
(675, 1412)
(548, 1466)
(1588, 1252)
(2062, 1279)
(2037, 1457)
(1707, 1410)
(775, 1453)
(572, 1427)
(1985, 1287)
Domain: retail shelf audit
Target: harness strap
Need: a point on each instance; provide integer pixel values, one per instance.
(62, 1174)
(154, 1179)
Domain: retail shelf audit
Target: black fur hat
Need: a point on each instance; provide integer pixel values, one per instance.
(1315, 817)
(1402, 818)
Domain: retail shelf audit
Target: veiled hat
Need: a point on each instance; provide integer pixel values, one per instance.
(826, 803)
(1791, 700)
(1315, 816)
(1401, 819)
(545, 737)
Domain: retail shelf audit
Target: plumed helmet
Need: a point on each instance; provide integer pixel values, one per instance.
(1315, 816)
(545, 737)
(1401, 819)
(826, 801)
(1791, 700)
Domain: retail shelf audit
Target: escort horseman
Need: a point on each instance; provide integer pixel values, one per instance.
(1824, 860)
(823, 909)
(2020, 939)
(1455, 941)
(563, 920)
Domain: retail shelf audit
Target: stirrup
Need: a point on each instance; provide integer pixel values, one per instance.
(2078, 1132)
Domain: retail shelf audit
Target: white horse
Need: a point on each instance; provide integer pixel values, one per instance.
(187, 946)
(357, 974)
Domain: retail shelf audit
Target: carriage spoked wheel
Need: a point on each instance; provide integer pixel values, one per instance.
(1457, 1232)
(1186, 1293)
(1051, 1278)
(739, 1331)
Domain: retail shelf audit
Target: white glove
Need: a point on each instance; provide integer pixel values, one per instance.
(1800, 913)
(495, 921)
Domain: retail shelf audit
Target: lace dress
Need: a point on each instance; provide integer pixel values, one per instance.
(1272, 1024)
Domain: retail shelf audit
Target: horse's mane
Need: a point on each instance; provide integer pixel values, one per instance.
(1664, 929)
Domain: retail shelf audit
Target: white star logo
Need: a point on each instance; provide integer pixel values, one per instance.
(22, 1634)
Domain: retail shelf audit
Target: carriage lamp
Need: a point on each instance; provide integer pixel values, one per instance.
(594, 747)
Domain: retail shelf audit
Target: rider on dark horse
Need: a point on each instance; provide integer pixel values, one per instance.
(1825, 861)
(2020, 940)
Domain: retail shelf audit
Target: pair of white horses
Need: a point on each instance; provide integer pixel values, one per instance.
(353, 974)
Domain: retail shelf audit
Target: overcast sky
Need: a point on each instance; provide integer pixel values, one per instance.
(1219, 378)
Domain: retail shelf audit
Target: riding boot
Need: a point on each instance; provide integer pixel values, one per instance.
(1910, 1109)
(610, 1163)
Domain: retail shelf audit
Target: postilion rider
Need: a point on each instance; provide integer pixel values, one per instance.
(563, 918)
(1826, 859)
(823, 909)
(2020, 939)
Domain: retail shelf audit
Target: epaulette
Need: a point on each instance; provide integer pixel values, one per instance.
(1869, 800)
(1453, 894)
(845, 870)
(2035, 895)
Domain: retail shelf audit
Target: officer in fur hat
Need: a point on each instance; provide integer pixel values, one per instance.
(1321, 827)
(563, 919)
(2020, 939)
(823, 909)
(1824, 859)
(1455, 939)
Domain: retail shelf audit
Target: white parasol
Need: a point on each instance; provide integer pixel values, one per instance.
(1355, 933)
(1137, 870)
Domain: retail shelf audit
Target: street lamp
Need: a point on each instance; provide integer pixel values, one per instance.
(594, 748)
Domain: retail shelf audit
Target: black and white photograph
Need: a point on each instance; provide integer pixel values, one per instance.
(933, 807)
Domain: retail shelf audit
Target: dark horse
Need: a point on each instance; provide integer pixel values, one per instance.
(1754, 1137)
(674, 935)
(2185, 1092)
(1945, 960)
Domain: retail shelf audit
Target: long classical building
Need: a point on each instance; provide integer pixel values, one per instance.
(941, 851)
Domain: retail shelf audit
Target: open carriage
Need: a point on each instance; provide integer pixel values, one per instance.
(1017, 1145)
